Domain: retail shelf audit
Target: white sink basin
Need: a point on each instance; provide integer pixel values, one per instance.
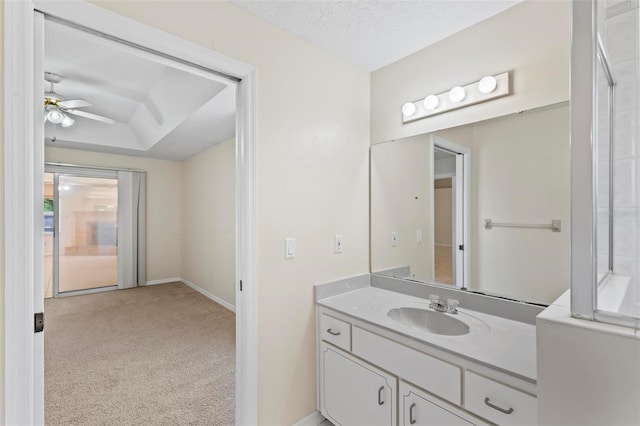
(429, 321)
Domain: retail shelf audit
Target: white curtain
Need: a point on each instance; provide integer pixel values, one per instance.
(131, 229)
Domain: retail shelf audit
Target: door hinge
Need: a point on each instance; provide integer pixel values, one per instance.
(240, 285)
(461, 247)
(38, 322)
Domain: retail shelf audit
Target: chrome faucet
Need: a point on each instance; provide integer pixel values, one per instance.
(449, 306)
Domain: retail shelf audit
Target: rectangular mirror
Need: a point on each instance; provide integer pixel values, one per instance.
(484, 207)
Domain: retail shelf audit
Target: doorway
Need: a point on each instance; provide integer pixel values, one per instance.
(450, 211)
(24, 173)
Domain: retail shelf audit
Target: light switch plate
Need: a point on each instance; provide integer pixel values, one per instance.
(289, 248)
(394, 238)
(337, 244)
(419, 236)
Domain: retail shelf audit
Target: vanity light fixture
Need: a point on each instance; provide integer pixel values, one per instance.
(488, 88)
(431, 102)
(457, 94)
(488, 84)
(408, 109)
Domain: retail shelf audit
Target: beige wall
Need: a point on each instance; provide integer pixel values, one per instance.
(530, 39)
(520, 174)
(208, 220)
(312, 182)
(164, 197)
(401, 191)
(442, 220)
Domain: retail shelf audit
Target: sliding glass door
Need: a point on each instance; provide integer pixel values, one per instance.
(85, 237)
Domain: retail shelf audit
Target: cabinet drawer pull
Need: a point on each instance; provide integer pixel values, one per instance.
(335, 333)
(411, 419)
(380, 401)
(495, 407)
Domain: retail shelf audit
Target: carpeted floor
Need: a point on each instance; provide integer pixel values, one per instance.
(156, 355)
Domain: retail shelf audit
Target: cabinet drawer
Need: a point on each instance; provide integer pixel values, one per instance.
(499, 403)
(436, 376)
(335, 331)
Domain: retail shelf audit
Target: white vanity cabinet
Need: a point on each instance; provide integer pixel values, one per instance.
(354, 392)
(418, 408)
(368, 375)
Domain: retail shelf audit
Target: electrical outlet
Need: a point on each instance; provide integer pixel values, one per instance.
(337, 244)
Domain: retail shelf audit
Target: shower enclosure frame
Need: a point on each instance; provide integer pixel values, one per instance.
(587, 53)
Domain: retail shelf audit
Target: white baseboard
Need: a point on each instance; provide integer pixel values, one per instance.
(313, 419)
(209, 295)
(163, 281)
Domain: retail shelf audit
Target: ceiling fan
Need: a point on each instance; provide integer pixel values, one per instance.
(57, 108)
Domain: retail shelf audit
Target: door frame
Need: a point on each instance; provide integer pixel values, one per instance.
(463, 221)
(23, 396)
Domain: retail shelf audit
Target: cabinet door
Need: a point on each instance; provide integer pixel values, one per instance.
(417, 408)
(354, 393)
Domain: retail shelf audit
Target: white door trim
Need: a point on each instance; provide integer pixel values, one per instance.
(23, 167)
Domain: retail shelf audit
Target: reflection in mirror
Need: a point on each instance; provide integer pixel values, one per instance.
(431, 195)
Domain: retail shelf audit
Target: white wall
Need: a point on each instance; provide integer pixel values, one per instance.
(530, 39)
(208, 220)
(164, 192)
(312, 182)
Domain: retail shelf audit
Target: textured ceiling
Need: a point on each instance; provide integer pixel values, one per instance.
(374, 33)
(162, 110)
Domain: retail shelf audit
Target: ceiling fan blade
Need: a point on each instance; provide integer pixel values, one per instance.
(75, 103)
(91, 116)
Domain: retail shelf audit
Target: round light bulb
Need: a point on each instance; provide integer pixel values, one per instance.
(431, 102)
(488, 84)
(67, 121)
(408, 109)
(457, 94)
(55, 116)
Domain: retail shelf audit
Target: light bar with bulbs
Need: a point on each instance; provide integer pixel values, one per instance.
(486, 89)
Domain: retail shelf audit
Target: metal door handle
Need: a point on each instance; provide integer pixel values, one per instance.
(335, 333)
(495, 407)
(411, 419)
(380, 401)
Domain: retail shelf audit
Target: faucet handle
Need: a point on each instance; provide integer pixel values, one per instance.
(434, 299)
(452, 306)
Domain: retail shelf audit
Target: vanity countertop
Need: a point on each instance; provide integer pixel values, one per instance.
(503, 344)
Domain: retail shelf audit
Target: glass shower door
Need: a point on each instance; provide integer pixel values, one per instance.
(86, 234)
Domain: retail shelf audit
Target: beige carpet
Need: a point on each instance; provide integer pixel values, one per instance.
(153, 355)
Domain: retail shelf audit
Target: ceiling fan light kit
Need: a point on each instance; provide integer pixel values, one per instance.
(57, 108)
